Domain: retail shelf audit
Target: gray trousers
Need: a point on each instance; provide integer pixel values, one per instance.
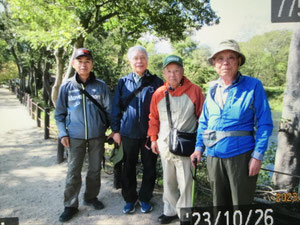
(229, 180)
(78, 148)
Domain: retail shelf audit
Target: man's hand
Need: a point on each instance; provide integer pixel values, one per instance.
(197, 155)
(117, 138)
(254, 166)
(154, 147)
(65, 141)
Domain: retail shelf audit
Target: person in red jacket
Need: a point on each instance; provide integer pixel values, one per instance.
(186, 100)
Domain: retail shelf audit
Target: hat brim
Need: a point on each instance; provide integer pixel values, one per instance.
(172, 62)
(210, 59)
(82, 55)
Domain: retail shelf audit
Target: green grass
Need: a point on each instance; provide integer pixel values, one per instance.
(275, 97)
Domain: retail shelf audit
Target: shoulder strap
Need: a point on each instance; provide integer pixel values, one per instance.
(147, 81)
(95, 102)
(169, 110)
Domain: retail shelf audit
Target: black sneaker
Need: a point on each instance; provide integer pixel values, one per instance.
(163, 219)
(68, 214)
(95, 203)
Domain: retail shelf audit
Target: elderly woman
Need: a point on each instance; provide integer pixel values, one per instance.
(130, 116)
(234, 128)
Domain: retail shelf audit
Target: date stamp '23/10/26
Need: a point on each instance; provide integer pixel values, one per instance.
(283, 212)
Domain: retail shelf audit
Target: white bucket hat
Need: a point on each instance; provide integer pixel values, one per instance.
(227, 45)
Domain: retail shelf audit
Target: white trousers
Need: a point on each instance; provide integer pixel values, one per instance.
(177, 182)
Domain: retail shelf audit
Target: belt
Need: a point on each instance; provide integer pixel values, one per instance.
(212, 137)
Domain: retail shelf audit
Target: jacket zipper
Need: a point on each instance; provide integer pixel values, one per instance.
(84, 114)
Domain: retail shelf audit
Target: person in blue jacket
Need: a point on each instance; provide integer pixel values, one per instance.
(82, 125)
(130, 116)
(234, 128)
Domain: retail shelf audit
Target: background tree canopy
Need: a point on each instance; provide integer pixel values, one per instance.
(37, 39)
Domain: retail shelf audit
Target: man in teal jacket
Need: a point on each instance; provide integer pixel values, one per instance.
(234, 128)
(82, 125)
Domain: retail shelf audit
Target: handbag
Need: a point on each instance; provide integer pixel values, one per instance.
(117, 154)
(180, 143)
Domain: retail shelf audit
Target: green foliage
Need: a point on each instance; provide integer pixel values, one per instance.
(264, 177)
(275, 97)
(46, 23)
(267, 57)
(196, 66)
(58, 23)
(8, 71)
(3, 53)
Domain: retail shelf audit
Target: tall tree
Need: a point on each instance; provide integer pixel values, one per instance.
(288, 151)
(59, 23)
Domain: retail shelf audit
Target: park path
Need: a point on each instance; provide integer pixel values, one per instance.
(32, 183)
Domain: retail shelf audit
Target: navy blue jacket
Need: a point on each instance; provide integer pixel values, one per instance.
(76, 116)
(133, 122)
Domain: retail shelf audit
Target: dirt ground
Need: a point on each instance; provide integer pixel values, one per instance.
(32, 183)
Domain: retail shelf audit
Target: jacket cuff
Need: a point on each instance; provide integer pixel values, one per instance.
(200, 149)
(257, 155)
(153, 138)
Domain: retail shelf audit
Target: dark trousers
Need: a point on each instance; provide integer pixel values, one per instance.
(78, 148)
(132, 148)
(229, 180)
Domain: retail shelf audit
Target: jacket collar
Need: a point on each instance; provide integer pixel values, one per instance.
(146, 74)
(77, 82)
(185, 84)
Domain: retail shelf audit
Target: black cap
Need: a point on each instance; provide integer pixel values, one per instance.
(82, 52)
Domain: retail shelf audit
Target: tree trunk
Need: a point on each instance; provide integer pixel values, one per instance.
(59, 53)
(46, 83)
(78, 44)
(29, 82)
(20, 68)
(288, 151)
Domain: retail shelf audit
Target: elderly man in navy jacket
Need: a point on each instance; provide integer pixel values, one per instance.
(130, 116)
(82, 125)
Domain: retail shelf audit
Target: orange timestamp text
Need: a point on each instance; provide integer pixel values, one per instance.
(287, 197)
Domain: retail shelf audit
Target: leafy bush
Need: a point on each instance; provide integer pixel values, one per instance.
(9, 71)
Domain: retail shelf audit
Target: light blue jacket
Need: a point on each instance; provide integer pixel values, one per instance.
(246, 109)
(76, 116)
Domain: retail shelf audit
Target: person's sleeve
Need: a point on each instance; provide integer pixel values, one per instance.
(199, 102)
(264, 123)
(153, 119)
(202, 125)
(61, 112)
(116, 113)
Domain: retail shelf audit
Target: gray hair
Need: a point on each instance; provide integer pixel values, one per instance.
(138, 48)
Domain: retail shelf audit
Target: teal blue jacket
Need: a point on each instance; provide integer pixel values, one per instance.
(246, 109)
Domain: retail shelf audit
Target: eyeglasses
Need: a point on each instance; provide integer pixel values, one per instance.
(229, 59)
(137, 58)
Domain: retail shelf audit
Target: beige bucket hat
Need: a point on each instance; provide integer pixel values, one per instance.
(227, 45)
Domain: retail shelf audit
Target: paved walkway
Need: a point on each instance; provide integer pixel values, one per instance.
(31, 183)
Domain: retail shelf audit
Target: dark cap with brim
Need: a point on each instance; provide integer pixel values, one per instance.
(82, 52)
(172, 59)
